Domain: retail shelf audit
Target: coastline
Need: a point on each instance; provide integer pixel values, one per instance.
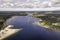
(46, 26)
(37, 23)
(8, 32)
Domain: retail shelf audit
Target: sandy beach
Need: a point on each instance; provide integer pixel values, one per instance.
(7, 32)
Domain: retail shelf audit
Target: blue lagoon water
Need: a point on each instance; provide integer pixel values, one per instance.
(30, 30)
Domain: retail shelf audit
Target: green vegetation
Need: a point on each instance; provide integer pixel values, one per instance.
(4, 17)
(48, 21)
(1, 23)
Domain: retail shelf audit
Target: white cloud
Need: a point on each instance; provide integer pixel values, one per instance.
(31, 3)
(7, 0)
(55, 1)
(52, 3)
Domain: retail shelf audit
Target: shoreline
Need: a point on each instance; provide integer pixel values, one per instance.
(41, 24)
(45, 26)
(8, 32)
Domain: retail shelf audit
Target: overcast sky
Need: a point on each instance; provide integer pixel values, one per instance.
(34, 3)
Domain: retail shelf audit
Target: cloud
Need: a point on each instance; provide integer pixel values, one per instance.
(51, 3)
(33, 4)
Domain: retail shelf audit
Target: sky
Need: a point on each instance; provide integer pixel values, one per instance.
(26, 3)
